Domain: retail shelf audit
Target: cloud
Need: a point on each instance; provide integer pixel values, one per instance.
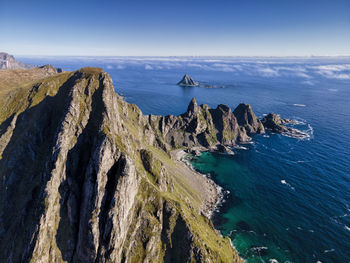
(332, 75)
(334, 71)
(268, 72)
(223, 67)
(302, 75)
(266, 68)
(308, 82)
(333, 67)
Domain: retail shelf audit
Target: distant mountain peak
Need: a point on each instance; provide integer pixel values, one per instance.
(187, 81)
(8, 61)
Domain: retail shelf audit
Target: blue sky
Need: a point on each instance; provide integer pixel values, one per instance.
(175, 28)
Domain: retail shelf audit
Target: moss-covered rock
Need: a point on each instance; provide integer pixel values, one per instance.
(86, 177)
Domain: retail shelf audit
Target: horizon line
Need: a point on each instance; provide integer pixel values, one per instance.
(188, 56)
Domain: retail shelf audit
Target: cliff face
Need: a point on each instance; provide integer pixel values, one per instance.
(9, 62)
(206, 127)
(87, 178)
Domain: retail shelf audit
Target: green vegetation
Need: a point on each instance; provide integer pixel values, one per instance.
(167, 208)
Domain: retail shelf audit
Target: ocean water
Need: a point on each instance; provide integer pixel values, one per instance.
(286, 199)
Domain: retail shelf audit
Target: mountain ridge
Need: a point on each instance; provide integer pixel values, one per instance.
(84, 180)
(86, 177)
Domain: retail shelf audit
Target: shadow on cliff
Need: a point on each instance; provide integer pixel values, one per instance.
(26, 167)
(178, 242)
(71, 189)
(5, 124)
(74, 237)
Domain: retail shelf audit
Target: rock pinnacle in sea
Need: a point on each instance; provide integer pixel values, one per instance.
(187, 81)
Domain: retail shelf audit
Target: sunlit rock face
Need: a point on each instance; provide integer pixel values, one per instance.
(86, 177)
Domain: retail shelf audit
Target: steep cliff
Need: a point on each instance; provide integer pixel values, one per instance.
(206, 127)
(247, 119)
(8, 61)
(87, 178)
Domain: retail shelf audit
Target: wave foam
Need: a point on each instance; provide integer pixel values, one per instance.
(240, 147)
(258, 249)
(285, 183)
(300, 133)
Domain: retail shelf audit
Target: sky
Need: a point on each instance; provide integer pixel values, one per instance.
(175, 28)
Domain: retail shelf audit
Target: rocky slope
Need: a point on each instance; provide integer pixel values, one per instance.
(87, 178)
(9, 62)
(18, 78)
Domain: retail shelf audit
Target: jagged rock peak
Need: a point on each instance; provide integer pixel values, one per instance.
(192, 106)
(247, 118)
(187, 81)
(224, 108)
(84, 175)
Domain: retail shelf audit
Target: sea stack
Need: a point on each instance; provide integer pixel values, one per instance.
(187, 81)
(247, 119)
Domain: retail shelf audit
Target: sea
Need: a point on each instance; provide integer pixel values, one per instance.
(286, 199)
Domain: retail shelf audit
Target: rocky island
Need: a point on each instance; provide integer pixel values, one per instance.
(187, 81)
(274, 123)
(86, 177)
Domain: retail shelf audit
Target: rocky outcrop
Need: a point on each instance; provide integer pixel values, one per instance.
(51, 69)
(247, 119)
(9, 62)
(86, 177)
(274, 123)
(205, 127)
(187, 81)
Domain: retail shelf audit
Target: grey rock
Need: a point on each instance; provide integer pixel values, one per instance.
(247, 119)
(274, 123)
(86, 177)
(8, 61)
(51, 69)
(187, 81)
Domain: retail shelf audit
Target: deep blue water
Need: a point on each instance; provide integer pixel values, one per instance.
(289, 199)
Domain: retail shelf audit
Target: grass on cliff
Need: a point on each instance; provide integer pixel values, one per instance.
(184, 198)
(188, 203)
(19, 98)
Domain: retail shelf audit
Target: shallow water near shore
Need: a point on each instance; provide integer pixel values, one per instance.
(288, 199)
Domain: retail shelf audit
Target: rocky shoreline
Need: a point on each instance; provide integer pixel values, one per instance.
(215, 199)
(214, 192)
(111, 182)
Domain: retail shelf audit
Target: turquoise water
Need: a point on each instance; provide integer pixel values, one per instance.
(288, 199)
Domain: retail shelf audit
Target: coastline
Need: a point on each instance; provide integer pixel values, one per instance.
(211, 193)
(209, 206)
